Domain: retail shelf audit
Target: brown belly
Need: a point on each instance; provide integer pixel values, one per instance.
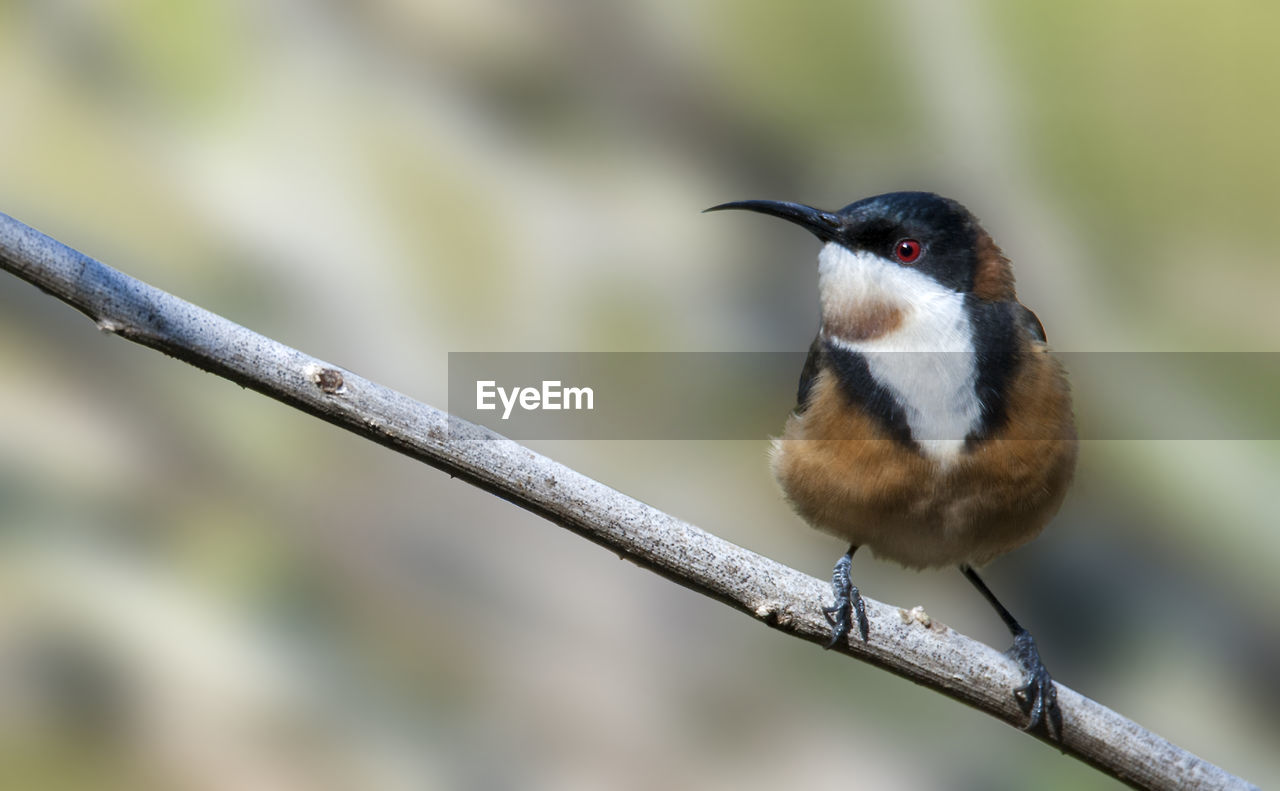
(845, 477)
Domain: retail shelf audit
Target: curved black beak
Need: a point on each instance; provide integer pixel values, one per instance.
(823, 224)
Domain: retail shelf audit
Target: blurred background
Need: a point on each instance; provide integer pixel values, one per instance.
(202, 589)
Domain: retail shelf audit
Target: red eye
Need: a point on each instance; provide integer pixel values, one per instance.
(907, 250)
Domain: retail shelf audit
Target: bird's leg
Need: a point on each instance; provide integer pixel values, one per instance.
(1037, 698)
(848, 604)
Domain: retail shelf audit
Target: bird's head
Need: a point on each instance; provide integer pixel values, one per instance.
(916, 231)
(893, 255)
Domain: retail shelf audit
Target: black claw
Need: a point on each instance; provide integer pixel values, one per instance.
(1038, 698)
(848, 604)
(838, 617)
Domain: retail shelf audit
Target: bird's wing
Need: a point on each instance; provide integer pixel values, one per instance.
(811, 365)
(1029, 322)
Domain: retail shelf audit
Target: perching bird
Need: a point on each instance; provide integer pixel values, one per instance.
(931, 424)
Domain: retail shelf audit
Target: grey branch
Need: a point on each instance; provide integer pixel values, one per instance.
(781, 597)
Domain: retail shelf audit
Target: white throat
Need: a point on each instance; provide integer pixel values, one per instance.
(927, 361)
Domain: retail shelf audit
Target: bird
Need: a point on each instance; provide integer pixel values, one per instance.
(932, 426)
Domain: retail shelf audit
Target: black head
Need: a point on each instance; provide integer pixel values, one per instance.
(920, 230)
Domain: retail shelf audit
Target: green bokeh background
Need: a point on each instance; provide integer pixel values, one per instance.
(200, 588)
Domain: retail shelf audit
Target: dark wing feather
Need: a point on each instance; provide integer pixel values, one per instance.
(1023, 316)
(812, 364)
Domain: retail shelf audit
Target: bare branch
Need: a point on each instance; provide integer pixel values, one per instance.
(788, 600)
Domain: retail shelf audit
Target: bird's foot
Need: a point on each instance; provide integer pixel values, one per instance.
(848, 605)
(1038, 698)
